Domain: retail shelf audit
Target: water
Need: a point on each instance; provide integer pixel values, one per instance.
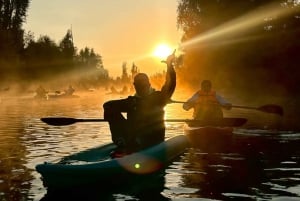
(268, 169)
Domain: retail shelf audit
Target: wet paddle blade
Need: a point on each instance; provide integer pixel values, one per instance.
(271, 108)
(59, 121)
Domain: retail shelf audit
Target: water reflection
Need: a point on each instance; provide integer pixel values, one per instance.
(260, 165)
(251, 173)
(134, 188)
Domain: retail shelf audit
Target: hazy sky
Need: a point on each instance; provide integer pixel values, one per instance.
(118, 30)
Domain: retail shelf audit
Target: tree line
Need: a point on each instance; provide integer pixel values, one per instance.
(249, 45)
(24, 58)
(263, 55)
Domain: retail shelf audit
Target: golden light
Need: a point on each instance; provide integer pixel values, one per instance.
(137, 165)
(162, 51)
(239, 25)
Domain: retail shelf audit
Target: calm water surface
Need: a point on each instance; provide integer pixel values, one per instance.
(268, 169)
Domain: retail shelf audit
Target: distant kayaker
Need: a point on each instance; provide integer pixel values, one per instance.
(144, 125)
(41, 92)
(69, 91)
(207, 104)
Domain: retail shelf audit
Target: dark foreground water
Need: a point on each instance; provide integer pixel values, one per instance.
(263, 165)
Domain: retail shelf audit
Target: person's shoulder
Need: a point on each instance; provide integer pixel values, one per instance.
(156, 92)
(131, 98)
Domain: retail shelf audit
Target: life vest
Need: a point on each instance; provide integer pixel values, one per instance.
(207, 97)
(207, 106)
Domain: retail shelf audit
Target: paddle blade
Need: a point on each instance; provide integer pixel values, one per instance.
(271, 108)
(58, 121)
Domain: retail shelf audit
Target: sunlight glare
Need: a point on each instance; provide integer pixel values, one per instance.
(162, 51)
(239, 25)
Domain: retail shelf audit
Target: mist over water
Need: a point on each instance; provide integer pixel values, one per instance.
(250, 70)
(26, 142)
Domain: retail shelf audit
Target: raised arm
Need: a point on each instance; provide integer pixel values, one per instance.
(170, 82)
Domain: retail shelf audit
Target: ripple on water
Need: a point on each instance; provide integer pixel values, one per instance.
(27, 141)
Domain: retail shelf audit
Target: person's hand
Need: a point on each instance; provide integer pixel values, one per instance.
(170, 59)
(228, 106)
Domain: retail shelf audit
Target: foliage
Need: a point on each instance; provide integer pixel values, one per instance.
(242, 41)
(44, 59)
(67, 47)
(12, 15)
(125, 77)
(26, 59)
(134, 70)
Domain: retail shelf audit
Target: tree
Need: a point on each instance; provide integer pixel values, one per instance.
(67, 47)
(41, 57)
(134, 70)
(44, 50)
(229, 39)
(12, 15)
(88, 57)
(125, 77)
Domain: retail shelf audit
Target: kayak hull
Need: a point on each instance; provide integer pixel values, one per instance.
(210, 139)
(213, 136)
(94, 166)
(224, 122)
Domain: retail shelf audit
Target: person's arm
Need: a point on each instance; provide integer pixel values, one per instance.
(114, 108)
(170, 83)
(190, 102)
(224, 103)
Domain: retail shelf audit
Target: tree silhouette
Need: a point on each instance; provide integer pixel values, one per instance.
(265, 52)
(67, 47)
(12, 15)
(134, 70)
(125, 77)
(26, 59)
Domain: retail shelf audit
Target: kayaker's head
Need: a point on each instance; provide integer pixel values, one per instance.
(206, 85)
(141, 84)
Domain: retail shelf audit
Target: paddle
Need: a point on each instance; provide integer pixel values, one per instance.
(64, 121)
(269, 108)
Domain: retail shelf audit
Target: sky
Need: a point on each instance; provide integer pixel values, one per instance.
(119, 30)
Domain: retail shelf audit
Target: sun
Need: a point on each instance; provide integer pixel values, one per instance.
(162, 51)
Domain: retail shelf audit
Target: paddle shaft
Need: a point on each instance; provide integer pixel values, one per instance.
(88, 120)
(244, 107)
(64, 121)
(269, 108)
(235, 106)
(69, 120)
(166, 120)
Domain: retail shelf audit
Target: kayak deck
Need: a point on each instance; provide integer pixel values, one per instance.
(95, 165)
(96, 154)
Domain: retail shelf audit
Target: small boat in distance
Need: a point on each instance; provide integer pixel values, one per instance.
(42, 94)
(62, 95)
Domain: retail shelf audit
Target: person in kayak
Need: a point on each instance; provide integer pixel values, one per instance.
(41, 92)
(207, 104)
(144, 125)
(69, 91)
